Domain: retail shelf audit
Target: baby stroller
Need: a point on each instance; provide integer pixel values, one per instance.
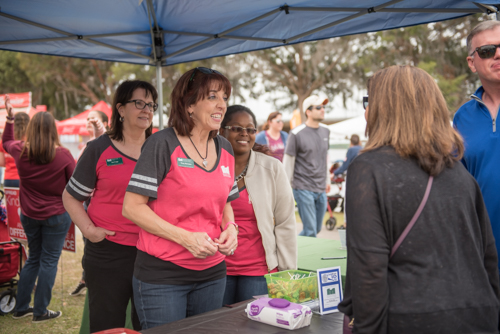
(334, 201)
(10, 266)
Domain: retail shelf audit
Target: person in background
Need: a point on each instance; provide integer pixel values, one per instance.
(102, 174)
(272, 136)
(305, 161)
(11, 177)
(443, 278)
(180, 194)
(97, 124)
(44, 167)
(352, 153)
(477, 119)
(264, 211)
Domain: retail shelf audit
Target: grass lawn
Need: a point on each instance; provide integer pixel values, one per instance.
(68, 275)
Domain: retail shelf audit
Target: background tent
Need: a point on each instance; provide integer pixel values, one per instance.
(163, 33)
(342, 131)
(77, 125)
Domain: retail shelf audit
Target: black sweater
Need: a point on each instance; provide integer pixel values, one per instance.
(444, 276)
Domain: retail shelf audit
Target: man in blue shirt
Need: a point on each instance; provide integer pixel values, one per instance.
(476, 120)
(352, 153)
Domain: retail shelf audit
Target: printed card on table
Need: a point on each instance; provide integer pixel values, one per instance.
(330, 289)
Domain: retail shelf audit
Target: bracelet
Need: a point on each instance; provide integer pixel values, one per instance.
(235, 225)
(9, 118)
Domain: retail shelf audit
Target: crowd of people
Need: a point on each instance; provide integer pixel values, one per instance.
(191, 218)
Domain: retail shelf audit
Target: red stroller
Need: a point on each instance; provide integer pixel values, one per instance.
(10, 266)
(334, 201)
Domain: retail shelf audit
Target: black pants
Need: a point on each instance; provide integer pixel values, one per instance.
(109, 268)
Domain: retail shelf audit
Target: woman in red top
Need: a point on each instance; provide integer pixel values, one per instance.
(102, 173)
(44, 168)
(11, 177)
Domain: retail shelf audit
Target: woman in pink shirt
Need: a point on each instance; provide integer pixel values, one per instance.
(273, 136)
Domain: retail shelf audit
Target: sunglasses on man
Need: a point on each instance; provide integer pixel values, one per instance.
(204, 70)
(239, 129)
(317, 107)
(365, 102)
(486, 51)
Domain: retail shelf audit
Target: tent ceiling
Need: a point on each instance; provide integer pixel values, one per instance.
(176, 31)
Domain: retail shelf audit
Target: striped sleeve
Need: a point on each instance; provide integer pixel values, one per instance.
(151, 168)
(234, 193)
(82, 182)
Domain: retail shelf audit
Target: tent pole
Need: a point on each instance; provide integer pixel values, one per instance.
(160, 94)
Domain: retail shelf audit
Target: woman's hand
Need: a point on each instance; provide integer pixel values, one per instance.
(228, 240)
(199, 244)
(97, 234)
(8, 106)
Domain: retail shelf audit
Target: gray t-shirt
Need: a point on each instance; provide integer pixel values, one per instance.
(309, 146)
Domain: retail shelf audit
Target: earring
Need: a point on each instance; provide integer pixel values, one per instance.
(121, 119)
(191, 115)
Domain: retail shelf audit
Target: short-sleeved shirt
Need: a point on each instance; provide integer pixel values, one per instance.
(309, 146)
(277, 147)
(184, 194)
(10, 165)
(103, 172)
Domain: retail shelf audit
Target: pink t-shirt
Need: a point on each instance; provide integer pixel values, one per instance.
(276, 146)
(249, 259)
(184, 194)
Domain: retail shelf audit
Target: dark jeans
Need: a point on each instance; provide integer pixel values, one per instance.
(45, 242)
(11, 183)
(240, 288)
(159, 304)
(108, 269)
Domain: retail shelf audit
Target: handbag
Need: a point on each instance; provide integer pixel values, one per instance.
(348, 323)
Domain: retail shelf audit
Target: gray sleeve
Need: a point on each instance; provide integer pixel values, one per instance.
(82, 182)
(234, 193)
(291, 145)
(151, 168)
(289, 165)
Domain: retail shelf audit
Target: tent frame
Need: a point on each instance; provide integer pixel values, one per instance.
(159, 56)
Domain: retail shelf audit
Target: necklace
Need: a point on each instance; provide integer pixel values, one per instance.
(239, 177)
(205, 162)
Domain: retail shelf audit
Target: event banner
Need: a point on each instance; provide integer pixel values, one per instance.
(18, 100)
(16, 228)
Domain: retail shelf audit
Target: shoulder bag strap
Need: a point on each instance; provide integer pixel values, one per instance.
(414, 219)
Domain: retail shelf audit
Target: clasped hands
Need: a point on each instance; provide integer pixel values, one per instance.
(201, 245)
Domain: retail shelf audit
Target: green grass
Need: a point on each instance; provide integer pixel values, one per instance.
(68, 276)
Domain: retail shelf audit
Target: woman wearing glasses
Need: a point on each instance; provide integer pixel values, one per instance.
(180, 194)
(264, 211)
(272, 136)
(103, 172)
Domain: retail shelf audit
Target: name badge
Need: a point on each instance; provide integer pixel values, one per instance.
(114, 162)
(187, 163)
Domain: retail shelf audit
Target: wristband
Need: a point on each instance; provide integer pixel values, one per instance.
(9, 118)
(232, 223)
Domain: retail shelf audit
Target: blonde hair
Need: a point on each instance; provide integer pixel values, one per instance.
(408, 112)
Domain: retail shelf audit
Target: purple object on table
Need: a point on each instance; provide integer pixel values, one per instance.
(279, 303)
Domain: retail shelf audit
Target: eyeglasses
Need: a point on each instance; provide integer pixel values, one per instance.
(486, 51)
(277, 121)
(140, 104)
(204, 70)
(239, 129)
(317, 107)
(365, 102)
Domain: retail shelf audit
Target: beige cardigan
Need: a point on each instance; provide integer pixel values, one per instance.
(272, 199)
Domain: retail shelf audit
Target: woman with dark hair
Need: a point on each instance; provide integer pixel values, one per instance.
(180, 196)
(264, 211)
(102, 174)
(44, 168)
(11, 177)
(443, 276)
(272, 135)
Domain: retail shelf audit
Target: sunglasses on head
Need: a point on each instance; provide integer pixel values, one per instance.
(239, 129)
(365, 102)
(486, 51)
(317, 107)
(204, 70)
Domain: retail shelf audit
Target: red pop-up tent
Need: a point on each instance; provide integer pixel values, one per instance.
(20, 102)
(77, 125)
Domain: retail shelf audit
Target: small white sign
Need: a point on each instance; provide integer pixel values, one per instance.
(330, 289)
